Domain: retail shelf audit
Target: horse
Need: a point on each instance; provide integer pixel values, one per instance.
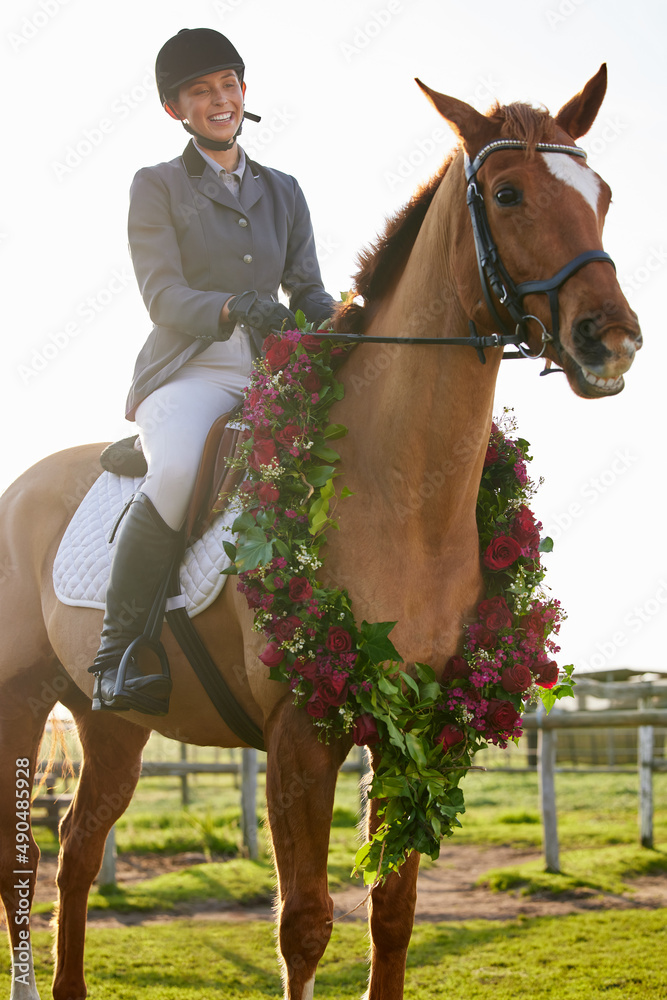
(418, 414)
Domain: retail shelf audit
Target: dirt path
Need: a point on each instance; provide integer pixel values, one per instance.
(447, 891)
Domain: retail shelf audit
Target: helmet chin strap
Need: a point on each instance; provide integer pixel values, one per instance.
(212, 143)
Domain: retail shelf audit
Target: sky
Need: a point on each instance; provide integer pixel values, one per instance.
(334, 83)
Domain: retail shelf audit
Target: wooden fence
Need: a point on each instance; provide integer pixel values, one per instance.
(643, 717)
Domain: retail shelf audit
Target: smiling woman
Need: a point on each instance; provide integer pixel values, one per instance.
(209, 257)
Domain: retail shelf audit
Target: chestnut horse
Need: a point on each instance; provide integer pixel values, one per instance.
(418, 415)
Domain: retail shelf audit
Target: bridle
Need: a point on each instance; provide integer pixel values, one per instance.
(497, 285)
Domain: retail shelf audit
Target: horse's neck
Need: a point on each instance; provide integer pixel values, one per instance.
(422, 414)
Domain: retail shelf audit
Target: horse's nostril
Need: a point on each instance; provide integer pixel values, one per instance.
(586, 329)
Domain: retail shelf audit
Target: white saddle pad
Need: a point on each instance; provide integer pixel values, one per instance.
(83, 562)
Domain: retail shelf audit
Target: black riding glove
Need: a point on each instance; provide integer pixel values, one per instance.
(262, 314)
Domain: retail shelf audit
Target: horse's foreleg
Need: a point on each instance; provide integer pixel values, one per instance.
(109, 774)
(300, 785)
(25, 703)
(391, 916)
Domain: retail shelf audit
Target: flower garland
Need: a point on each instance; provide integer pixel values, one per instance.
(347, 676)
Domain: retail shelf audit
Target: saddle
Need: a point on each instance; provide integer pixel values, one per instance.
(215, 482)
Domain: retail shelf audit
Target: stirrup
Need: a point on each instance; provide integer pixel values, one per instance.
(125, 698)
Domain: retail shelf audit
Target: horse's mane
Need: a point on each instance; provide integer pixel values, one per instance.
(381, 262)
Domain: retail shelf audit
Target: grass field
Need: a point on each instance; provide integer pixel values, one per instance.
(601, 955)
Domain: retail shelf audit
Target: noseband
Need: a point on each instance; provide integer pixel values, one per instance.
(497, 285)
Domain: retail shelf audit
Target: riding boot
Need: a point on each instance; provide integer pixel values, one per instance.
(146, 548)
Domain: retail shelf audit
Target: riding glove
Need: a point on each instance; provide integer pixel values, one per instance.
(262, 314)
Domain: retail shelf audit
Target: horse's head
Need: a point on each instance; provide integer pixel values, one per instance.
(544, 210)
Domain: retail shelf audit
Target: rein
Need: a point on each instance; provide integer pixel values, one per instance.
(497, 285)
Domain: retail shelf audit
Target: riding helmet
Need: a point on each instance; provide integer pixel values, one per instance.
(191, 53)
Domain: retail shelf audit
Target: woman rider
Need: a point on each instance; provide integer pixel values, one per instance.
(213, 235)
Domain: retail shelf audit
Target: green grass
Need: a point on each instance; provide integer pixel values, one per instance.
(608, 870)
(584, 957)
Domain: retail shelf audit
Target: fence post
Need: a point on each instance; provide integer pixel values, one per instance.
(546, 748)
(185, 794)
(249, 800)
(645, 764)
(107, 873)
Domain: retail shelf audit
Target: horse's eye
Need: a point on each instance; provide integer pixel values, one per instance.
(508, 196)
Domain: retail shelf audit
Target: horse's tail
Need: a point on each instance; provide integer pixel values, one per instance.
(56, 742)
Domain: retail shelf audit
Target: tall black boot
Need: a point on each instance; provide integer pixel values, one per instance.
(146, 548)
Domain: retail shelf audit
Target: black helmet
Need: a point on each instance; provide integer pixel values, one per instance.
(191, 53)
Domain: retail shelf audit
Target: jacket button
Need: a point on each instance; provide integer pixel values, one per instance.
(248, 258)
(243, 222)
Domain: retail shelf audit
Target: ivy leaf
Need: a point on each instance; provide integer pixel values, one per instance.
(376, 644)
(346, 493)
(243, 522)
(255, 550)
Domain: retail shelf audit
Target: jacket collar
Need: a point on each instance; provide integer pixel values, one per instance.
(197, 168)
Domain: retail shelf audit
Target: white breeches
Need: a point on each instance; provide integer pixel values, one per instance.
(174, 420)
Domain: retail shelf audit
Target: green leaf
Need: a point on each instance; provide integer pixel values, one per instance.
(230, 549)
(376, 644)
(410, 681)
(334, 431)
(424, 672)
(320, 475)
(243, 522)
(300, 317)
(415, 749)
(255, 550)
(327, 454)
(546, 545)
(346, 493)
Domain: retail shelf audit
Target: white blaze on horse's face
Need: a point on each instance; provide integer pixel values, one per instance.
(577, 175)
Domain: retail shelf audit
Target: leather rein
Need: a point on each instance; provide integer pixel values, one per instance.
(497, 285)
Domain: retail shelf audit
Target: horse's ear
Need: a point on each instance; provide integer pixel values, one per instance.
(577, 116)
(469, 124)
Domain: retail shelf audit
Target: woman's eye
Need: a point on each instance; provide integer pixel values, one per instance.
(508, 196)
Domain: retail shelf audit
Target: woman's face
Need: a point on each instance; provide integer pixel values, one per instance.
(212, 104)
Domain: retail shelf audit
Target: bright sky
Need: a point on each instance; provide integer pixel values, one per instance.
(334, 85)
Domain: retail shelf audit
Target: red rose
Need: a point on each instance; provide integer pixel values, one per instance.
(286, 435)
(516, 679)
(501, 553)
(449, 736)
(501, 715)
(365, 731)
(526, 532)
(339, 640)
(311, 343)
(263, 453)
(533, 624)
(332, 689)
(456, 668)
(306, 668)
(312, 382)
(494, 613)
(316, 707)
(268, 493)
(484, 637)
(279, 353)
(285, 628)
(272, 655)
(546, 674)
(300, 589)
(270, 341)
(491, 456)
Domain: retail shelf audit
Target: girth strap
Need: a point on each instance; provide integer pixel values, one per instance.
(229, 710)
